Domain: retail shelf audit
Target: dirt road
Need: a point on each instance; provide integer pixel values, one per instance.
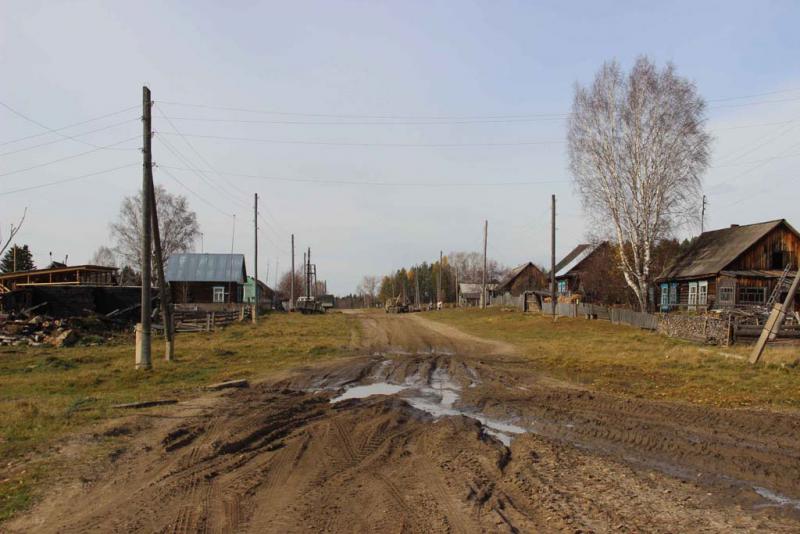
(468, 440)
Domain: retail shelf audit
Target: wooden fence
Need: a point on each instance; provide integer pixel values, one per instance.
(202, 321)
(645, 321)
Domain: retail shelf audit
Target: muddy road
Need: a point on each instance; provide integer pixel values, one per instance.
(431, 430)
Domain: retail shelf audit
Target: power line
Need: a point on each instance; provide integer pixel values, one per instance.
(197, 195)
(374, 183)
(49, 129)
(200, 173)
(191, 146)
(336, 143)
(66, 180)
(76, 135)
(68, 157)
(503, 117)
(67, 127)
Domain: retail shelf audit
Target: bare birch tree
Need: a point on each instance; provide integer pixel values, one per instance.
(638, 148)
(177, 225)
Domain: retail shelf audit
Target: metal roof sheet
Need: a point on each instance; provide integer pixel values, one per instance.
(206, 268)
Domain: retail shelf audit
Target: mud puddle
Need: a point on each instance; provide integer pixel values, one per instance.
(437, 397)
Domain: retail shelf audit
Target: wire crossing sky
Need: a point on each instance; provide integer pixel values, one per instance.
(377, 133)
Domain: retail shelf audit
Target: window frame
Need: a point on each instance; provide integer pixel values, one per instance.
(218, 294)
(702, 293)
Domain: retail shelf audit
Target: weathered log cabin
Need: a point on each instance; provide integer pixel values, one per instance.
(736, 267)
(207, 281)
(571, 267)
(525, 277)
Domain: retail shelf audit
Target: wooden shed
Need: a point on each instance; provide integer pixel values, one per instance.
(735, 267)
(525, 277)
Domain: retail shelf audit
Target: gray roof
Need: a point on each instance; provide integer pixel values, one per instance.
(206, 268)
(713, 251)
(466, 289)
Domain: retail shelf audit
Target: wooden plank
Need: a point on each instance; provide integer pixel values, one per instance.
(229, 384)
(145, 404)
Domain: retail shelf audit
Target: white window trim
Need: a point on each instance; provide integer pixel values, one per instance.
(218, 291)
(702, 293)
(692, 295)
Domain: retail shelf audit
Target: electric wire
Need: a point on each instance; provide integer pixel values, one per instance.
(388, 184)
(49, 129)
(68, 126)
(54, 141)
(161, 168)
(66, 180)
(73, 156)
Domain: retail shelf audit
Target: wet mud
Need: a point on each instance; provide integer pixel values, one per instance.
(434, 431)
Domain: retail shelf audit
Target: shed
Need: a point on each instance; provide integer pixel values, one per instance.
(470, 294)
(525, 277)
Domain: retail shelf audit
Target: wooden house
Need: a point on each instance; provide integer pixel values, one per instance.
(92, 275)
(207, 281)
(736, 267)
(571, 268)
(469, 295)
(525, 277)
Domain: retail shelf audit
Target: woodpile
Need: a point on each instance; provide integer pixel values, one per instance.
(25, 329)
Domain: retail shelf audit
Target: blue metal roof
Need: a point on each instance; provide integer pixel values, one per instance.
(206, 268)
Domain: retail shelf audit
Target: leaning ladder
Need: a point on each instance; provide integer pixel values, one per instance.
(779, 286)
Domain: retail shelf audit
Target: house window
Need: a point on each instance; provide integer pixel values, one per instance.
(692, 295)
(702, 293)
(752, 295)
(219, 293)
(562, 287)
(664, 297)
(673, 294)
(726, 295)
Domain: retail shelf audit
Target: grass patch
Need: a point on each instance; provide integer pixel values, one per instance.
(627, 360)
(47, 393)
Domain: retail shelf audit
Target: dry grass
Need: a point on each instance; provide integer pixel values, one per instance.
(47, 393)
(630, 361)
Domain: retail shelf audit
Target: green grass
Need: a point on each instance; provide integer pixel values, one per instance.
(627, 360)
(47, 393)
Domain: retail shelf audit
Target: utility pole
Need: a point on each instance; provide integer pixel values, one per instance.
(703, 215)
(164, 296)
(439, 281)
(553, 257)
(291, 291)
(458, 289)
(143, 357)
(416, 280)
(483, 277)
(255, 257)
(308, 273)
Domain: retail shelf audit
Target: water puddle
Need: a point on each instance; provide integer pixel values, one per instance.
(777, 498)
(438, 397)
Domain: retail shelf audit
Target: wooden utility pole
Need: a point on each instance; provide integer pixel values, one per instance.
(419, 300)
(255, 257)
(458, 289)
(553, 256)
(308, 273)
(774, 321)
(439, 280)
(143, 331)
(703, 215)
(485, 263)
(291, 290)
(164, 296)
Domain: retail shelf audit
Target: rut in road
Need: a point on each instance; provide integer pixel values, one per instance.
(281, 457)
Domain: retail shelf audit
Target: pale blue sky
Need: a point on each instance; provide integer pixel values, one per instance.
(64, 62)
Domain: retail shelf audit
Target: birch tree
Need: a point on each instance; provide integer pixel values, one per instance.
(638, 149)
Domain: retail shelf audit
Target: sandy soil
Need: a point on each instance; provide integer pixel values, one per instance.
(281, 457)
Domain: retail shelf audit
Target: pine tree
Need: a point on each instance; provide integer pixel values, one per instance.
(24, 261)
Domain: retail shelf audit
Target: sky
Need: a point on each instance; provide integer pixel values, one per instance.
(378, 133)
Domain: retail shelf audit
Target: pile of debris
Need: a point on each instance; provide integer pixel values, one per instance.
(37, 331)
(19, 329)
